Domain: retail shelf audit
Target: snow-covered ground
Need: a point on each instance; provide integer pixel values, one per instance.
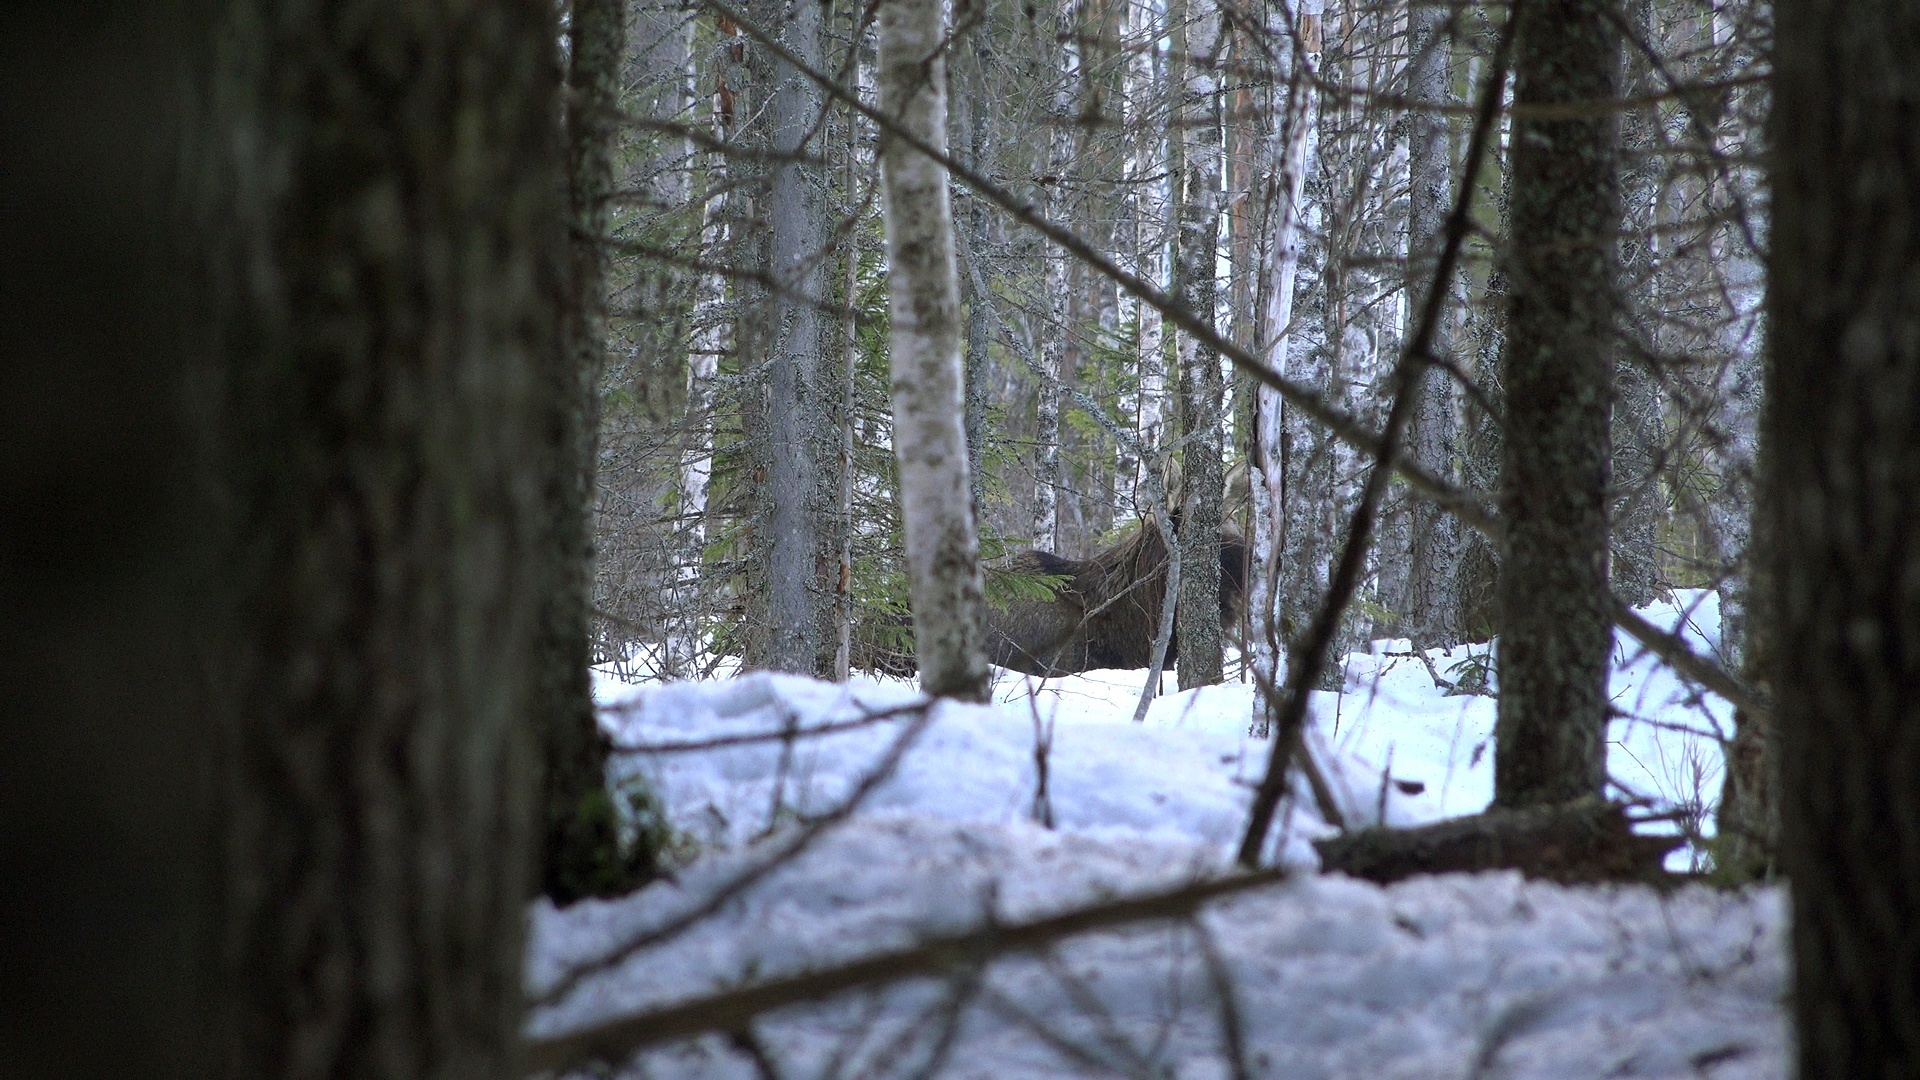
(1458, 975)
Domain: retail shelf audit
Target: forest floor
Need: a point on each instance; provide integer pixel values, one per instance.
(904, 826)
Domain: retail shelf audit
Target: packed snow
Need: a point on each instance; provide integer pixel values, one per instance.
(899, 823)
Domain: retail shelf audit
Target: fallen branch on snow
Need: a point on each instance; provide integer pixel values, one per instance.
(614, 1041)
(1587, 840)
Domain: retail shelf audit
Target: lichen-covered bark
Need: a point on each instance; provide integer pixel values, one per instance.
(1843, 454)
(1195, 284)
(1557, 369)
(390, 277)
(929, 436)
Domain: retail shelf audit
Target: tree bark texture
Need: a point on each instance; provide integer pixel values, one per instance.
(1843, 452)
(800, 496)
(1424, 567)
(582, 852)
(1202, 391)
(1555, 633)
(390, 280)
(943, 551)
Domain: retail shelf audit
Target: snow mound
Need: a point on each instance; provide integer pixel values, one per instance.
(1051, 799)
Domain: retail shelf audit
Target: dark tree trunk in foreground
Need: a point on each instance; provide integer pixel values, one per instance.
(1557, 369)
(582, 855)
(102, 817)
(390, 274)
(1843, 448)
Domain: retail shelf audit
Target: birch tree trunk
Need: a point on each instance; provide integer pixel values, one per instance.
(1195, 285)
(1056, 304)
(929, 436)
(800, 498)
(1289, 149)
(1146, 209)
(390, 277)
(1844, 458)
(1555, 632)
(1421, 572)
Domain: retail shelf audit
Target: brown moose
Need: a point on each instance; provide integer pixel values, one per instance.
(1104, 615)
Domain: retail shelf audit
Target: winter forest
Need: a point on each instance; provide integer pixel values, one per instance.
(962, 538)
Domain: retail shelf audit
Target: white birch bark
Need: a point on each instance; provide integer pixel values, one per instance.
(943, 558)
(1289, 153)
(1057, 313)
(1148, 202)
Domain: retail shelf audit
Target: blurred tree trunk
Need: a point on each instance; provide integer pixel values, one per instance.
(582, 855)
(1844, 509)
(1197, 42)
(389, 262)
(104, 816)
(1555, 632)
(943, 551)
